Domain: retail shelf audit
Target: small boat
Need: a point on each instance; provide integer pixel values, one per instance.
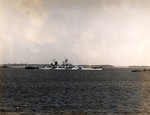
(139, 70)
(59, 68)
(5, 66)
(76, 68)
(46, 68)
(31, 67)
(100, 69)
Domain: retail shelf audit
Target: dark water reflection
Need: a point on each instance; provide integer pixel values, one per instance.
(112, 91)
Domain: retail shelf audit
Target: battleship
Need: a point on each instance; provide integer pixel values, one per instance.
(66, 65)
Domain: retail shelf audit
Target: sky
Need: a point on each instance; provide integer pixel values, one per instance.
(115, 32)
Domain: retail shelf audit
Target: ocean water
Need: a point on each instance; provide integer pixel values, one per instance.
(111, 91)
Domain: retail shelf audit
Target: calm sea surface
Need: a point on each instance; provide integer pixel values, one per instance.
(111, 91)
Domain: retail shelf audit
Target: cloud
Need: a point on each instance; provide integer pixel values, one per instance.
(87, 32)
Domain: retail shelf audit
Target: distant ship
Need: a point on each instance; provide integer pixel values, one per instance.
(67, 66)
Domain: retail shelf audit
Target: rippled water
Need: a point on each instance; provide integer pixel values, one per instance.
(112, 91)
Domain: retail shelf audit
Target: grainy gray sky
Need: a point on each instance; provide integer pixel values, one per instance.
(113, 32)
